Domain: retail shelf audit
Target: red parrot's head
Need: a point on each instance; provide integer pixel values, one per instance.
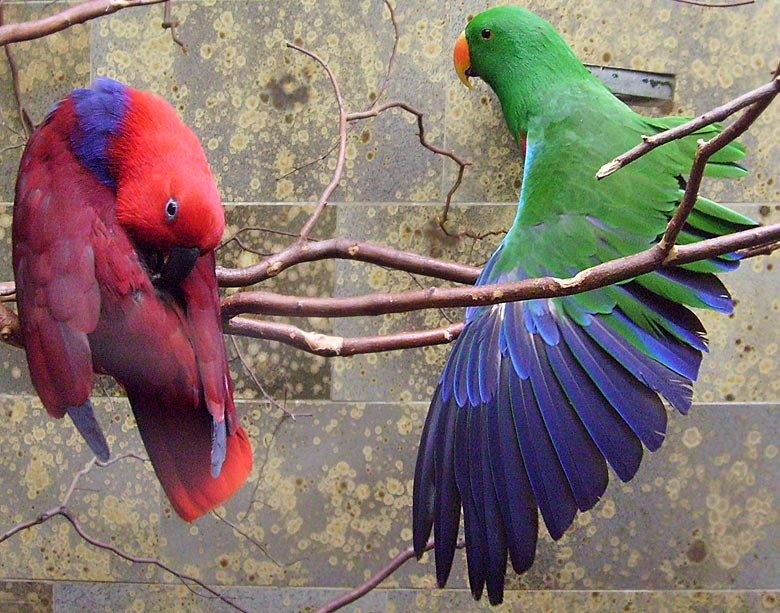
(166, 195)
(134, 141)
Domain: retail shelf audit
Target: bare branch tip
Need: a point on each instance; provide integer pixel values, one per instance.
(608, 169)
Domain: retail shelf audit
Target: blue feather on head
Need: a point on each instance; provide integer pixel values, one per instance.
(100, 110)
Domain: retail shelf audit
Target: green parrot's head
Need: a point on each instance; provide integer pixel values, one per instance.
(508, 46)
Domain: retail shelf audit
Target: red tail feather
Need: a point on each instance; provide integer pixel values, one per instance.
(179, 445)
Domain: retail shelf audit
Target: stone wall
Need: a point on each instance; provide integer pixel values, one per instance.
(329, 500)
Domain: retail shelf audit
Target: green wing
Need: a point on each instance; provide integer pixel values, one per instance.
(567, 220)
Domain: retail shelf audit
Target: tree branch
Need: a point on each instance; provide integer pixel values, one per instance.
(712, 5)
(758, 241)
(383, 573)
(71, 16)
(704, 152)
(10, 330)
(62, 510)
(717, 114)
(608, 273)
(346, 249)
(326, 345)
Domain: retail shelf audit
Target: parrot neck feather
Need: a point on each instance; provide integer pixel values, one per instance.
(546, 97)
(100, 111)
(525, 62)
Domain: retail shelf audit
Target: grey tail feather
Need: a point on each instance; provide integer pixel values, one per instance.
(218, 446)
(83, 417)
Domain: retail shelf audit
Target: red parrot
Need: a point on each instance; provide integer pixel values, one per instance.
(116, 219)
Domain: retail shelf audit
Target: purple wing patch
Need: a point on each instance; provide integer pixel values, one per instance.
(100, 110)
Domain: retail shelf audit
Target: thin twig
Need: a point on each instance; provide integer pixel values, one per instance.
(236, 238)
(703, 153)
(715, 115)
(257, 383)
(751, 252)
(393, 53)
(712, 5)
(245, 535)
(184, 578)
(63, 510)
(51, 512)
(271, 437)
(71, 16)
(379, 93)
(383, 573)
(11, 147)
(341, 157)
(424, 142)
(24, 116)
(169, 24)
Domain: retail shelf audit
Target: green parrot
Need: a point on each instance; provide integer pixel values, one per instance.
(537, 397)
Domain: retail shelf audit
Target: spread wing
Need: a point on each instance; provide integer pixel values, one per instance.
(538, 397)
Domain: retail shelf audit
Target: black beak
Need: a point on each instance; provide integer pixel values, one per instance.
(179, 264)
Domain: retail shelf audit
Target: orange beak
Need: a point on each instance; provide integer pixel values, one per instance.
(461, 59)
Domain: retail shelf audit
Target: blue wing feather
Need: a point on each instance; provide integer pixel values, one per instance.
(490, 357)
(660, 312)
(473, 365)
(519, 350)
(548, 481)
(639, 406)
(484, 493)
(678, 357)
(458, 365)
(447, 501)
(513, 490)
(676, 389)
(539, 320)
(473, 521)
(583, 464)
(423, 503)
(706, 288)
(613, 436)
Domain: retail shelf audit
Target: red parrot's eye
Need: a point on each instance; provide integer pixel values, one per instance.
(171, 208)
(486, 33)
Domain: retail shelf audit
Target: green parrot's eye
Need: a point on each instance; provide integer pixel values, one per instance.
(171, 208)
(486, 34)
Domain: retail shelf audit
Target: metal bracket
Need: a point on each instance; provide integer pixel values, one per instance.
(636, 86)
